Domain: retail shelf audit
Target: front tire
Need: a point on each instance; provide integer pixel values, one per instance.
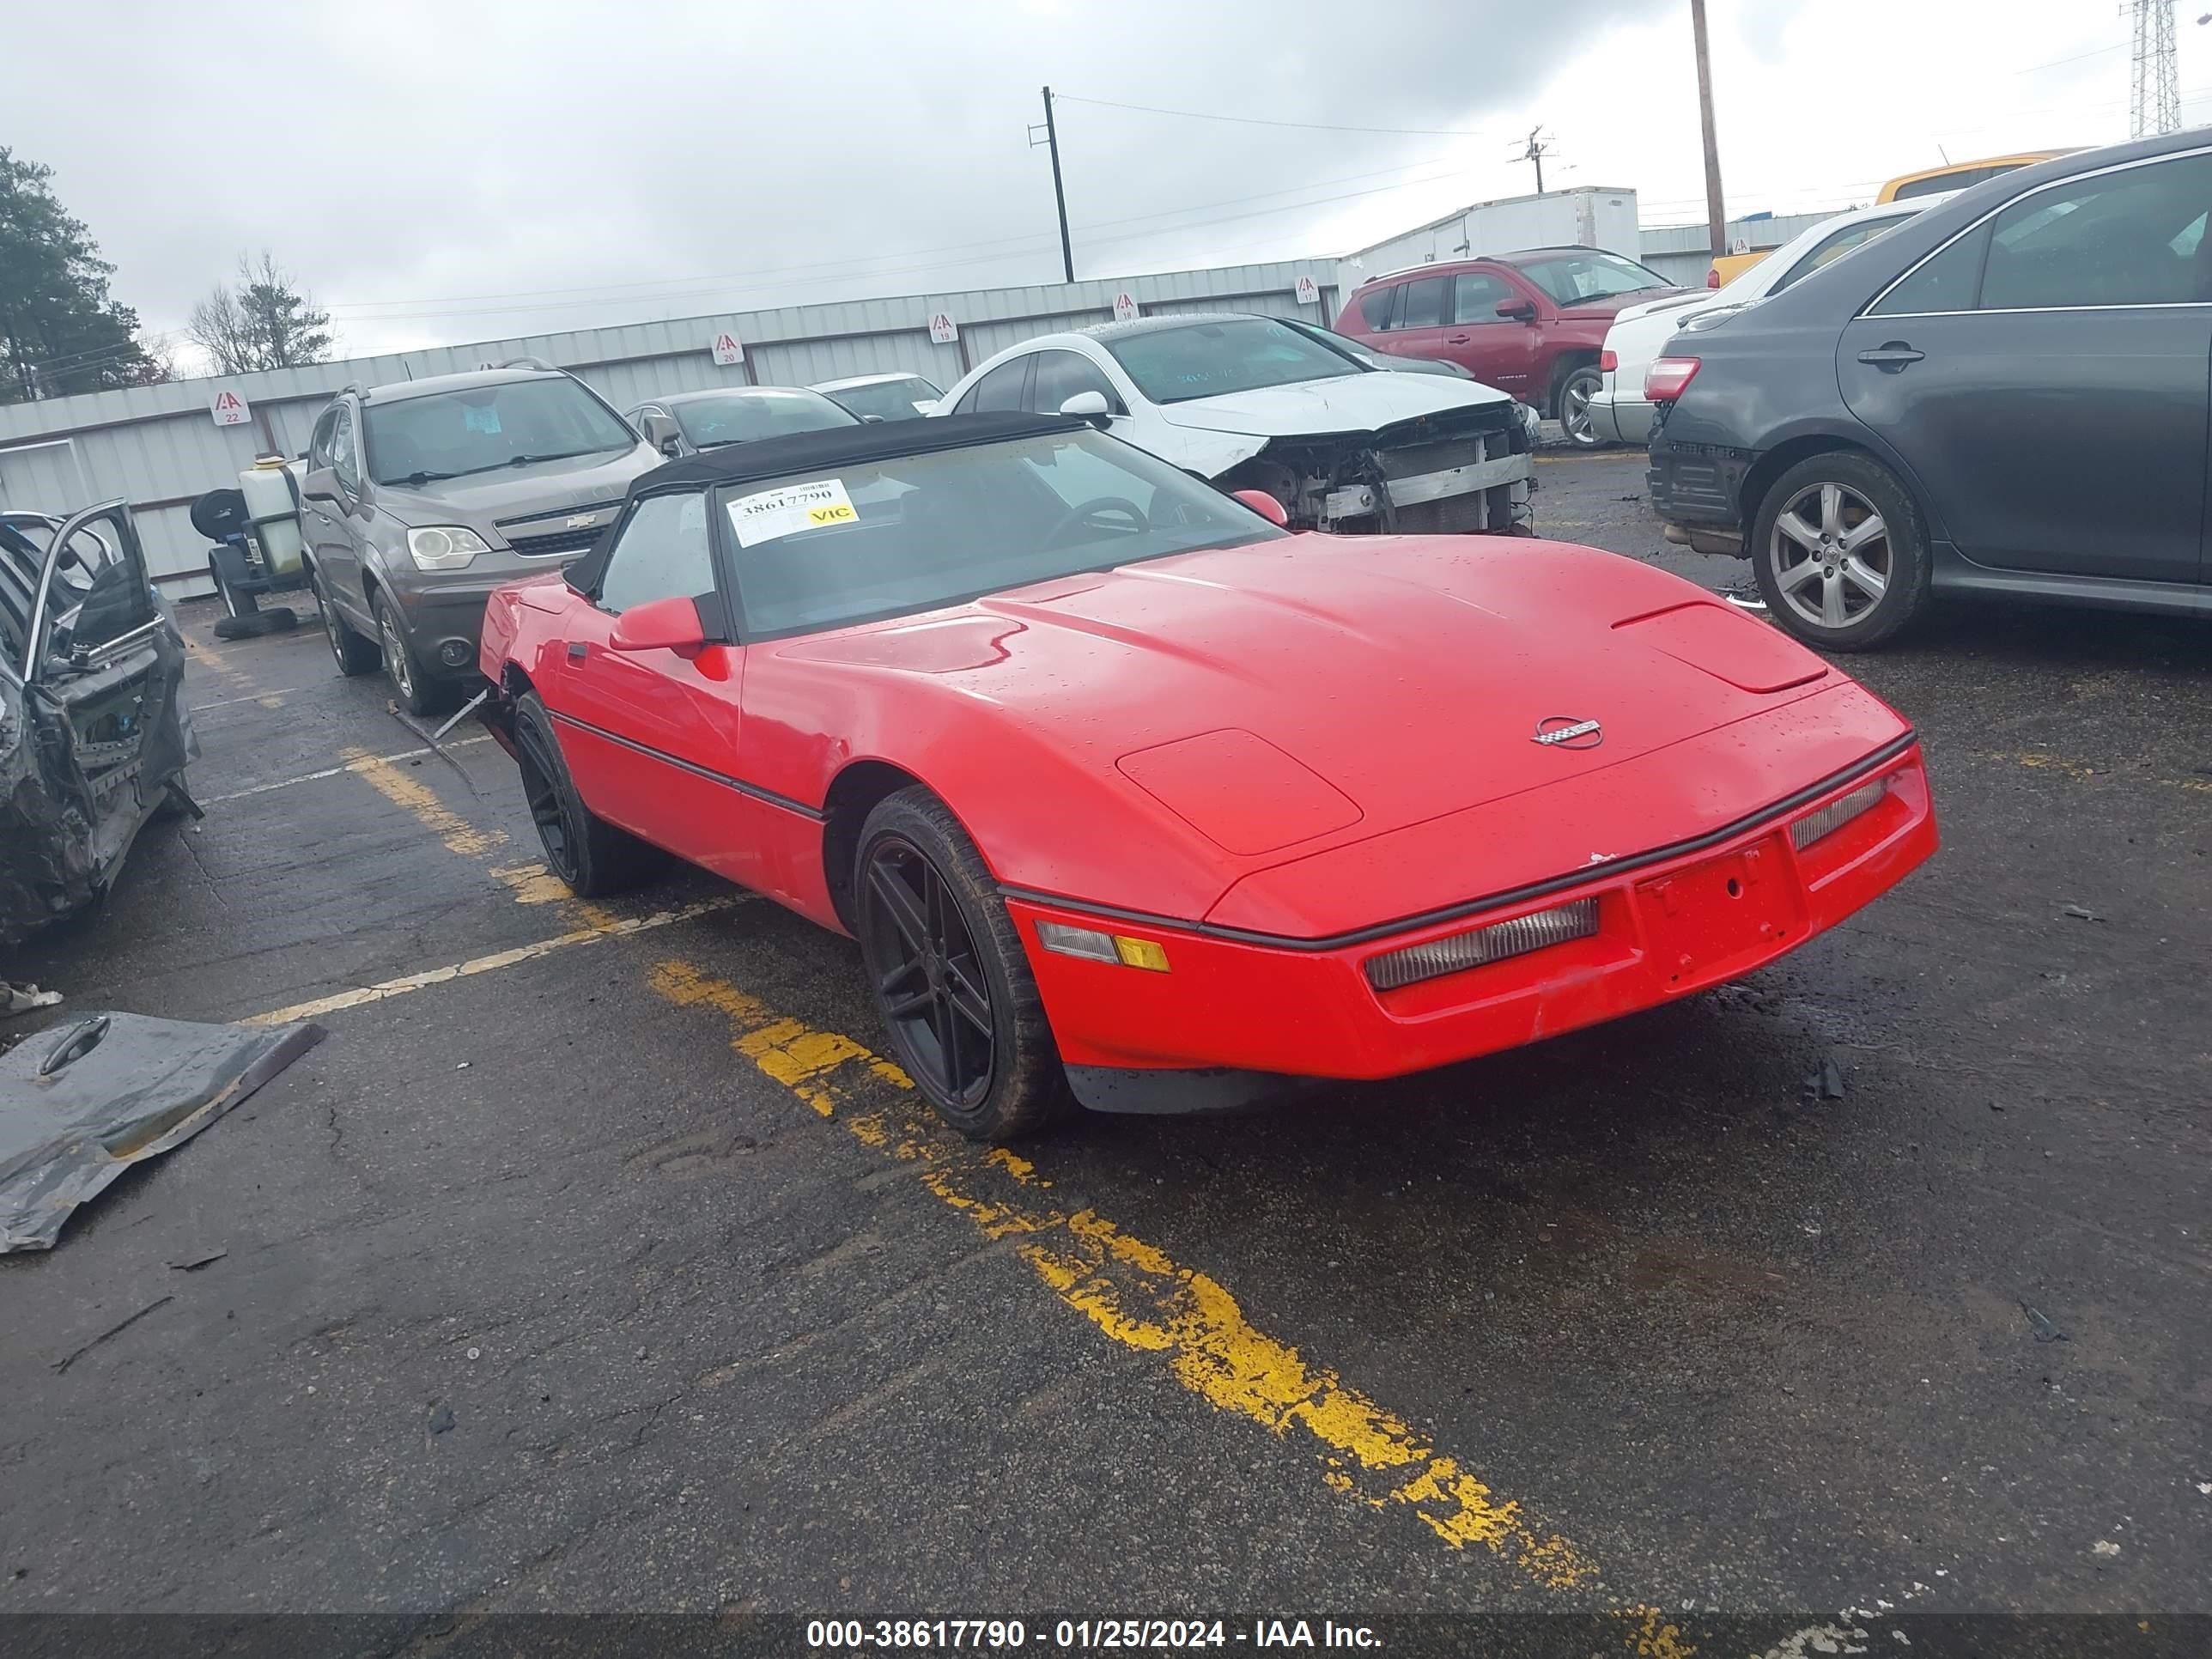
(354, 655)
(1841, 552)
(952, 981)
(1578, 386)
(419, 695)
(588, 853)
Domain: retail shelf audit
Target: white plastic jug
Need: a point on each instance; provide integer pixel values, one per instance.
(268, 491)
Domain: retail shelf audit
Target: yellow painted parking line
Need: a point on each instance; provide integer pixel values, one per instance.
(385, 990)
(2083, 772)
(359, 765)
(533, 883)
(1131, 1291)
(1137, 1295)
(414, 795)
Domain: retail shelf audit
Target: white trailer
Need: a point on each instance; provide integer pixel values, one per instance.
(1585, 216)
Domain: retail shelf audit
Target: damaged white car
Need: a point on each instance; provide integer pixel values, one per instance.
(1247, 403)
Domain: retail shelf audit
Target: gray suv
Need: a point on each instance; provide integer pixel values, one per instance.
(422, 497)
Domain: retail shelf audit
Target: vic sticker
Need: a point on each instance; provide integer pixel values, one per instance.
(774, 513)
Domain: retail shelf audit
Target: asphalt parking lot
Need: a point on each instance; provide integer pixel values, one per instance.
(595, 1262)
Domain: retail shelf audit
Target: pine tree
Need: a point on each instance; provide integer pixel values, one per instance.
(60, 332)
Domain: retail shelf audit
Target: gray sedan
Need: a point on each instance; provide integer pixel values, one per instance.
(2005, 395)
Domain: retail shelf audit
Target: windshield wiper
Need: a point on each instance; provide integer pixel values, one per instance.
(564, 455)
(419, 478)
(527, 460)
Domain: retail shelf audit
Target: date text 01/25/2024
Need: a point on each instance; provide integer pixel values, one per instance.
(1011, 1635)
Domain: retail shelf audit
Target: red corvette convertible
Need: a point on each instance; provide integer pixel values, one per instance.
(1127, 792)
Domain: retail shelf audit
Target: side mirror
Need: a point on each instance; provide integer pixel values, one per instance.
(1519, 310)
(1089, 406)
(660, 432)
(1261, 503)
(661, 625)
(871, 420)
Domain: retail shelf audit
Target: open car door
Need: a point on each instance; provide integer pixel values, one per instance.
(93, 735)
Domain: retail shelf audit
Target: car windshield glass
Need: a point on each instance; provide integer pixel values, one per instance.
(447, 433)
(917, 533)
(1334, 341)
(741, 417)
(1571, 278)
(888, 400)
(1209, 360)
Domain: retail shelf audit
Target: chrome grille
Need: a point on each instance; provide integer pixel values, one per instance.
(560, 541)
(547, 535)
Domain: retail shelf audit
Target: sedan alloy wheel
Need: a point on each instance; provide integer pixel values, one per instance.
(1829, 555)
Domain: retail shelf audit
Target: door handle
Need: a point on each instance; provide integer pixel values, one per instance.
(578, 650)
(1891, 356)
(76, 1043)
(1457, 339)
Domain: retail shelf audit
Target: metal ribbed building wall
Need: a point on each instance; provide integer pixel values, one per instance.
(159, 447)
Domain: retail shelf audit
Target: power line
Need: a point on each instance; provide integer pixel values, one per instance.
(76, 362)
(610, 290)
(1257, 121)
(2034, 69)
(723, 284)
(673, 287)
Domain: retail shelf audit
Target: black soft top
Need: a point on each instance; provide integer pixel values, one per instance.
(815, 451)
(845, 446)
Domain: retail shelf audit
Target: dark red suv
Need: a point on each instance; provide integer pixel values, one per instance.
(1531, 323)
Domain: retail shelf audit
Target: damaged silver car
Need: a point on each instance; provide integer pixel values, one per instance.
(94, 737)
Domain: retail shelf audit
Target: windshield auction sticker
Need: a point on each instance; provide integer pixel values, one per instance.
(777, 513)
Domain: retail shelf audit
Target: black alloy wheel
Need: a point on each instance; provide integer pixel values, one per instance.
(556, 810)
(592, 856)
(929, 981)
(950, 972)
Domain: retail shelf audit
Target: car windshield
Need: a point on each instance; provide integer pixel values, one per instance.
(906, 399)
(1334, 341)
(1571, 279)
(446, 434)
(1211, 360)
(743, 417)
(917, 533)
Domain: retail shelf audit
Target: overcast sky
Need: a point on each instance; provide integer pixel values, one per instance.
(457, 170)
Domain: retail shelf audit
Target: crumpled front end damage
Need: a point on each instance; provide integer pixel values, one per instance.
(81, 769)
(1464, 470)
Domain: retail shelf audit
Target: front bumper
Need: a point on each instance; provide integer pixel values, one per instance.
(1669, 925)
(444, 622)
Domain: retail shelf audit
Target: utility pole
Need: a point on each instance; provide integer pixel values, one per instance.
(1716, 214)
(1059, 195)
(1535, 152)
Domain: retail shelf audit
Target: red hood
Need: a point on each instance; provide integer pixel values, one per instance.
(1408, 675)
